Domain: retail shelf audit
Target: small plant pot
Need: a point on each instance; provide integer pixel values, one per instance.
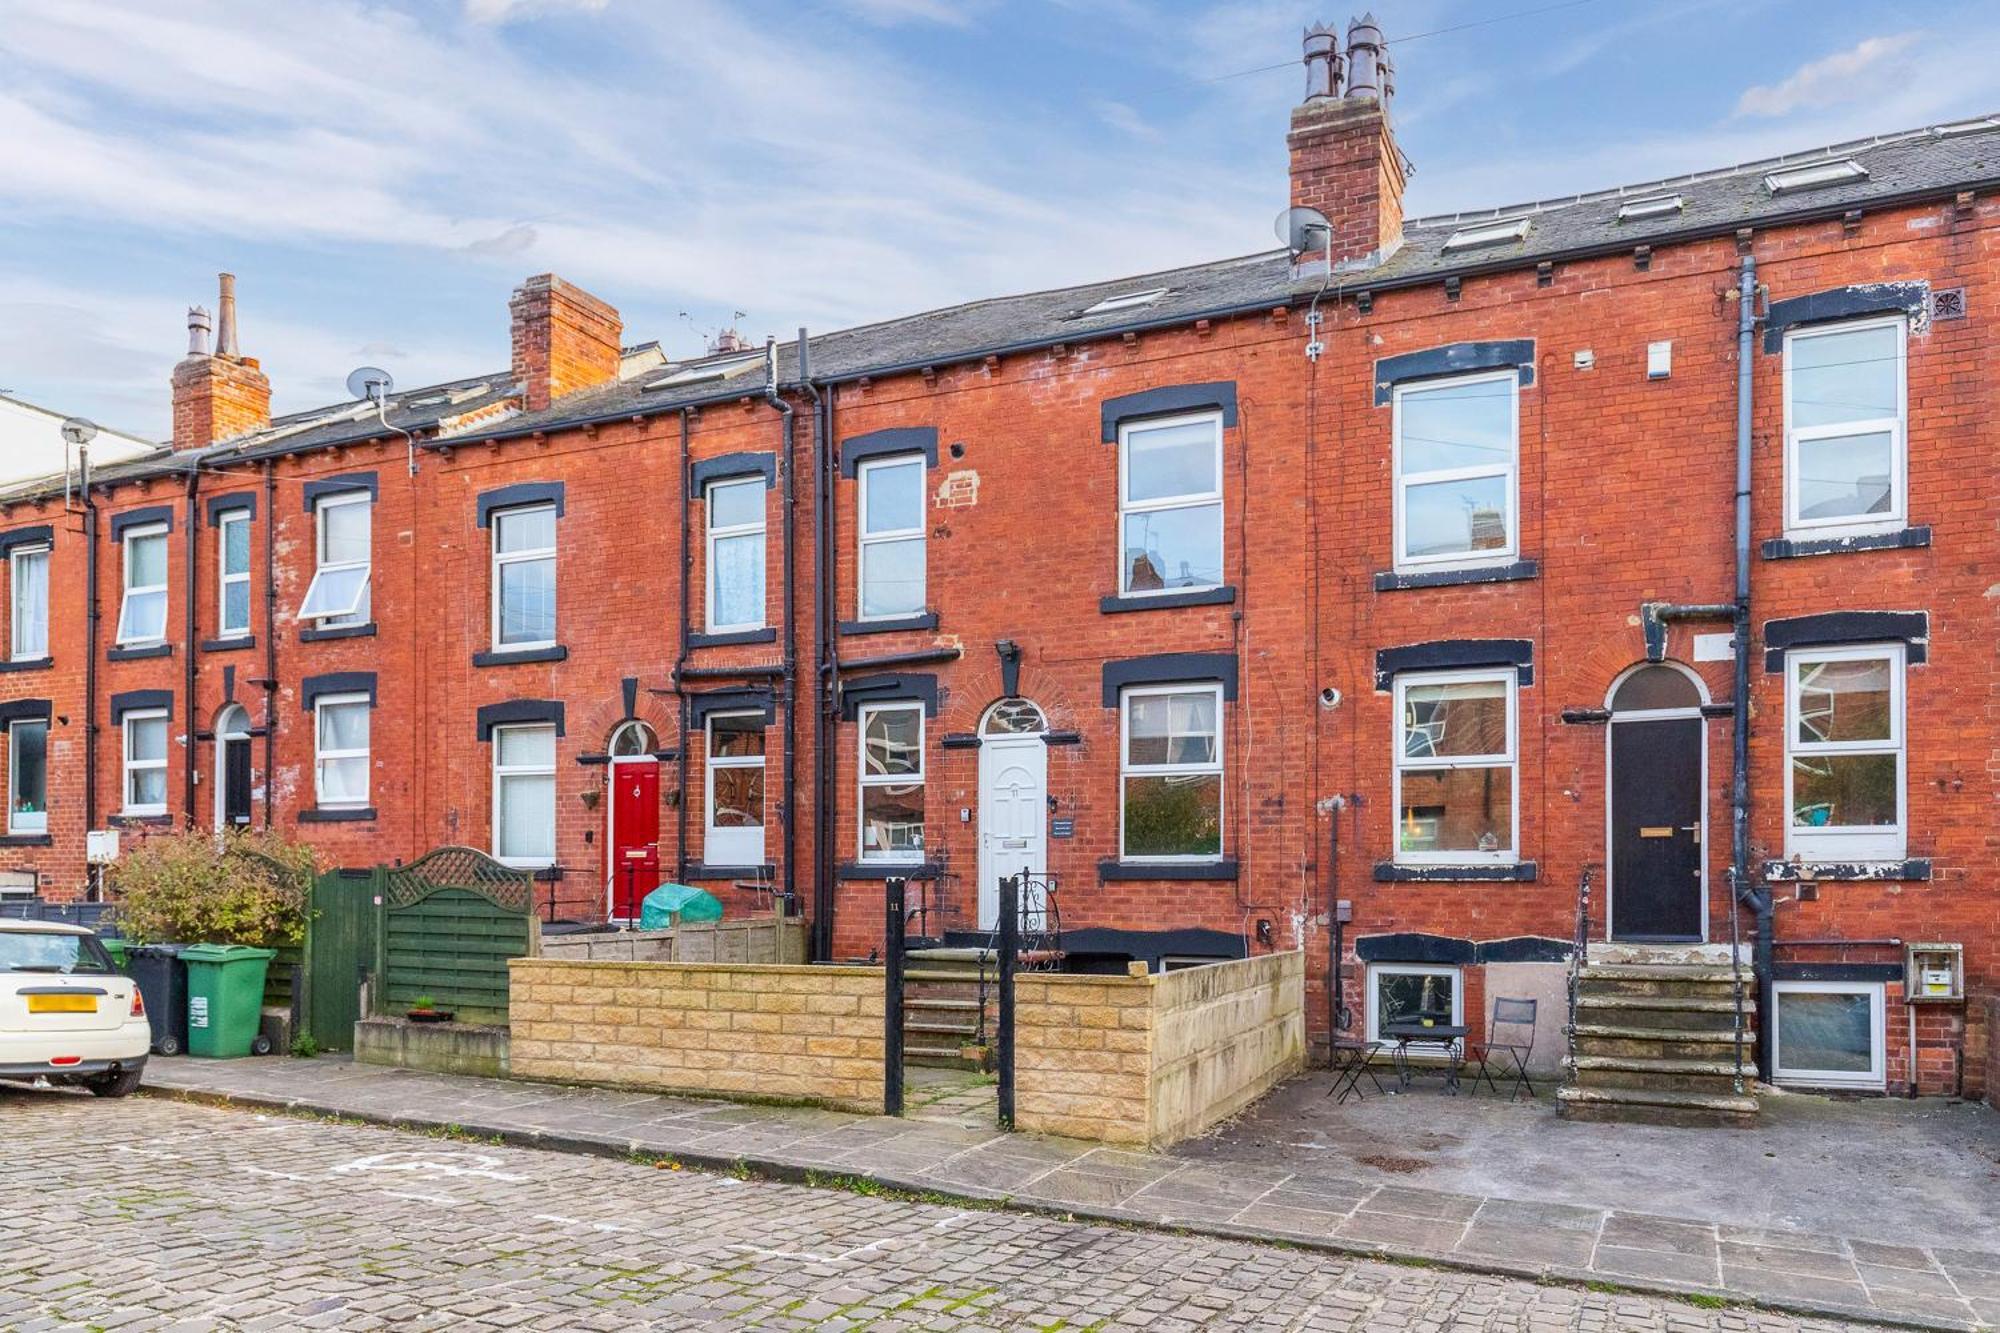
(429, 1015)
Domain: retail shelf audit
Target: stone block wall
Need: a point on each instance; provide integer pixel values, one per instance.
(780, 1032)
(750, 940)
(1151, 1059)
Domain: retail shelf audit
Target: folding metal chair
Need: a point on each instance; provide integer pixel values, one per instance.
(1509, 1041)
(1350, 1060)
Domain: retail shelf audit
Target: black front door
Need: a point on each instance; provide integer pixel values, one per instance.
(1656, 849)
(236, 782)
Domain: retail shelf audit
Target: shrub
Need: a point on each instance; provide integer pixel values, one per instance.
(199, 887)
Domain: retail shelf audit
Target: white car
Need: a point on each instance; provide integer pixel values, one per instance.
(66, 1014)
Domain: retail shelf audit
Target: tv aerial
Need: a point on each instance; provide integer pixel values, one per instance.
(372, 384)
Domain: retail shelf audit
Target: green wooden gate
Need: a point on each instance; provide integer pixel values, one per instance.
(445, 926)
(339, 953)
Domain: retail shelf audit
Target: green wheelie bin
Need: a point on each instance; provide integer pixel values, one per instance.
(225, 988)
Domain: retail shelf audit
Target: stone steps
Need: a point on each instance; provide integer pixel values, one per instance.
(1657, 1073)
(1657, 1037)
(941, 1006)
(1657, 1106)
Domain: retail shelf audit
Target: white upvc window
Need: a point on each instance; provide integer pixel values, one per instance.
(524, 577)
(340, 755)
(1845, 417)
(232, 574)
(735, 554)
(1170, 504)
(733, 820)
(338, 595)
(1844, 755)
(142, 618)
(145, 761)
(1828, 1033)
(28, 776)
(28, 602)
(524, 794)
(1457, 463)
(1414, 993)
(892, 782)
(1455, 767)
(892, 537)
(1170, 775)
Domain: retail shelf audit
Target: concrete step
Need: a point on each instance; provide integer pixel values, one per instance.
(1685, 1004)
(954, 1031)
(1667, 1074)
(1720, 972)
(934, 1056)
(1657, 1106)
(1670, 955)
(1620, 1041)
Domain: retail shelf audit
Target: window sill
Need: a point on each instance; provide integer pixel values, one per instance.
(134, 654)
(26, 840)
(1219, 870)
(1165, 601)
(140, 821)
(229, 645)
(921, 621)
(1913, 871)
(1390, 580)
(766, 635)
(29, 664)
(359, 815)
(698, 873)
(1792, 548)
(343, 632)
(510, 656)
(1519, 872)
(881, 870)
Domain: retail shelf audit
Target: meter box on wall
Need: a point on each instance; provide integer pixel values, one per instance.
(1934, 973)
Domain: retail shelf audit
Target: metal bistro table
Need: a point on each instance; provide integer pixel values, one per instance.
(1449, 1038)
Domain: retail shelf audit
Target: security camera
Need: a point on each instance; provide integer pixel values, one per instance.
(1329, 697)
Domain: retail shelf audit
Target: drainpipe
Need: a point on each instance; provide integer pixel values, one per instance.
(1759, 899)
(270, 639)
(680, 662)
(823, 717)
(193, 582)
(92, 630)
(789, 689)
(791, 636)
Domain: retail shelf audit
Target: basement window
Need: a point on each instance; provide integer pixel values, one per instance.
(1479, 238)
(1792, 180)
(1637, 210)
(1413, 993)
(1828, 1033)
(1125, 301)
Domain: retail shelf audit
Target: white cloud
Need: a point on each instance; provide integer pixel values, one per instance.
(890, 13)
(1122, 117)
(1832, 79)
(506, 11)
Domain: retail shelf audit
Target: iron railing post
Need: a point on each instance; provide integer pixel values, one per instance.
(892, 999)
(1010, 941)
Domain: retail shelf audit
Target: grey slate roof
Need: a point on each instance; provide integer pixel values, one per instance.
(1915, 162)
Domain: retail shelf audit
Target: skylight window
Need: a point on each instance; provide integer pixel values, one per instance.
(1126, 301)
(1958, 127)
(1795, 179)
(1635, 210)
(1494, 233)
(706, 372)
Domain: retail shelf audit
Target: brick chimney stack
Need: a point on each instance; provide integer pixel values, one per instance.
(1345, 162)
(565, 339)
(219, 395)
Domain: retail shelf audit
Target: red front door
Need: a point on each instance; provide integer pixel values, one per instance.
(635, 835)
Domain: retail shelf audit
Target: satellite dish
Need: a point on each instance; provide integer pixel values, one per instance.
(1303, 229)
(371, 383)
(78, 431)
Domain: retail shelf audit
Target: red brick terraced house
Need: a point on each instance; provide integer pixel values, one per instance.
(1354, 596)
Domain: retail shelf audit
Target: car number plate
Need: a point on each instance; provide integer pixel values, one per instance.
(62, 1004)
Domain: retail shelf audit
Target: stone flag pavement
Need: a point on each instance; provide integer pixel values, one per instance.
(1883, 1278)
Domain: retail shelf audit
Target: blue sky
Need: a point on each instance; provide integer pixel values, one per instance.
(380, 175)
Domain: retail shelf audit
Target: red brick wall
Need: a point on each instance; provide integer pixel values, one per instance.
(1626, 492)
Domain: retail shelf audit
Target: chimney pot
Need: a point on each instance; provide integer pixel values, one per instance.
(198, 328)
(225, 318)
(1365, 60)
(1322, 58)
(1344, 158)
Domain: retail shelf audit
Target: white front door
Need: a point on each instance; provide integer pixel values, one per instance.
(1013, 819)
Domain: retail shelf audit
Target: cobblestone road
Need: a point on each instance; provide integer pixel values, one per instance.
(150, 1213)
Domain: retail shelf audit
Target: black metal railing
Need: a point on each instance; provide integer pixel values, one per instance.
(1579, 952)
(1736, 972)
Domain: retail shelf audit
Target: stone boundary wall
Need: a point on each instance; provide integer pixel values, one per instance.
(1152, 1059)
(793, 1033)
(766, 939)
(1223, 1036)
